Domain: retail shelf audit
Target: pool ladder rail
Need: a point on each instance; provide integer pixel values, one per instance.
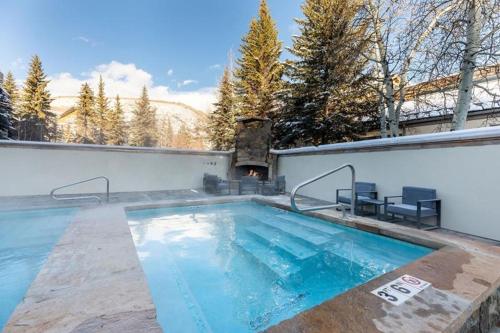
(337, 205)
(83, 197)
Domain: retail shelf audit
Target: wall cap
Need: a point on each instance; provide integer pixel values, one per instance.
(100, 148)
(457, 137)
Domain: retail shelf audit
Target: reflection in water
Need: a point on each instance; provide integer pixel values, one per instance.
(243, 267)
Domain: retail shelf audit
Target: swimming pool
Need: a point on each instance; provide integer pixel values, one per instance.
(26, 239)
(242, 267)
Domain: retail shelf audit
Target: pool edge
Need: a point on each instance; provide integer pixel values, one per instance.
(467, 282)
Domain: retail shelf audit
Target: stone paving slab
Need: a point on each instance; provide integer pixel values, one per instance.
(92, 282)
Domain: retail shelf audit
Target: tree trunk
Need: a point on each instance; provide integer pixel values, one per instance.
(468, 66)
(392, 117)
(383, 117)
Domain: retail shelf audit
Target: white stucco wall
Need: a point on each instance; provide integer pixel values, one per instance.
(34, 169)
(467, 178)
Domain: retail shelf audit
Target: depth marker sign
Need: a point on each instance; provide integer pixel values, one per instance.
(398, 291)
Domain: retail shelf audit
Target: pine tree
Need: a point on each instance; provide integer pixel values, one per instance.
(37, 123)
(183, 138)
(5, 114)
(165, 133)
(100, 116)
(68, 135)
(326, 97)
(259, 69)
(11, 89)
(85, 113)
(115, 129)
(222, 121)
(143, 125)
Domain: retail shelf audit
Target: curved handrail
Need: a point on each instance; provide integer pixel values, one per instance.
(55, 197)
(312, 180)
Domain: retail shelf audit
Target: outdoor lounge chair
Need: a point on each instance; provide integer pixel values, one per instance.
(248, 184)
(416, 203)
(214, 185)
(274, 187)
(364, 191)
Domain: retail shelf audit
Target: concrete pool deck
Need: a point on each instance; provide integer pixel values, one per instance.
(93, 281)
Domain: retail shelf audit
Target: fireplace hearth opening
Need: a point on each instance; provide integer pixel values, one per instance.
(261, 172)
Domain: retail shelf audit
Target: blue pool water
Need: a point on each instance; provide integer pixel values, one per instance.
(243, 267)
(26, 239)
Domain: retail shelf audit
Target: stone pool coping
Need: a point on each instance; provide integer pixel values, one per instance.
(93, 281)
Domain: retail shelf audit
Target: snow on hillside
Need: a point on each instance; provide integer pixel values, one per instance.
(178, 113)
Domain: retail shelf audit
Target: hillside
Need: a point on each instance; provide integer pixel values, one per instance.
(178, 113)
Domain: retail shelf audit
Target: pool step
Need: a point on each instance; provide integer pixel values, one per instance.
(306, 234)
(276, 238)
(317, 226)
(278, 265)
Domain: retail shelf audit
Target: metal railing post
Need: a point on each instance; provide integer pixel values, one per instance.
(55, 197)
(312, 180)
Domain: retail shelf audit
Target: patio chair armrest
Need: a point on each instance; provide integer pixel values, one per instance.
(337, 192)
(429, 200)
(436, 201)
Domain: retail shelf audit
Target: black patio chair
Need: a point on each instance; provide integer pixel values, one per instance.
(248, 184)
(275, 187)
(416, 203)
(214, 185)
(364, 191)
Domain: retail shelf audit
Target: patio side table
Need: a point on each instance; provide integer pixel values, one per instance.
(375, 203)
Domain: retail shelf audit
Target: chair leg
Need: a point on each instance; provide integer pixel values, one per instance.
(438, 210)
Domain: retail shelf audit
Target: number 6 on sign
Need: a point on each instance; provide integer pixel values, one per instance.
(398, 291)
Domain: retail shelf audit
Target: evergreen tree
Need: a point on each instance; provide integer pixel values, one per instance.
(326, 97)
(36, 122)
(259, 69)
(5, 115)
(68, 135)
(222, 121)
(85, 113)
(100, 116)
(143, 125)
(11, 89)
(165, 133)
(183, 138)
(115, 129)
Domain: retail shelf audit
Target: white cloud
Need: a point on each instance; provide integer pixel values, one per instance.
(18, 63)
(127, 80)
(186, 83)
(214, 67)
(170, 72)
(86, 40)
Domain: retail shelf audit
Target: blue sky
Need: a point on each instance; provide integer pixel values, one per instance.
(181, 44)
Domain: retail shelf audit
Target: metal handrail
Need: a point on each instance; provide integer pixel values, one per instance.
(312, 180)
(55, 197)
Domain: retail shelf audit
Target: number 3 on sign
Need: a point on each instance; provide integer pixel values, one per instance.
(398, 291)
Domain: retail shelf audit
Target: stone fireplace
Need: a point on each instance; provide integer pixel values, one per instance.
(253, 143)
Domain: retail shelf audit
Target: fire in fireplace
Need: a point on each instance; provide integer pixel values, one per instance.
(258, 171)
